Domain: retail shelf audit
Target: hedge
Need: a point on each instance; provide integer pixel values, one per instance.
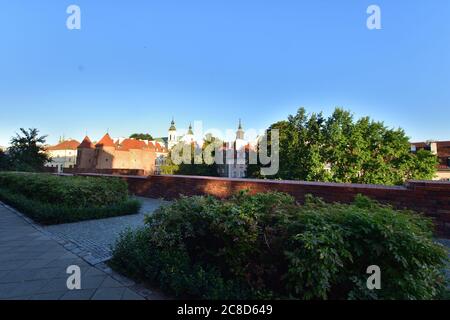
(50, 199)
(268, 246)
(73, 191)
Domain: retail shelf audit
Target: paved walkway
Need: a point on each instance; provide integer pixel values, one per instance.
(33, 266)
(95, 237)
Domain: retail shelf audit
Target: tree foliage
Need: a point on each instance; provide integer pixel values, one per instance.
(141, 136)
(4, 161)
(27, 152)
(192, 168)
(342, 149)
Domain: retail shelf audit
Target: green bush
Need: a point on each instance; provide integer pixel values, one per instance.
(267, 246)
(73, 191)
(50, 199)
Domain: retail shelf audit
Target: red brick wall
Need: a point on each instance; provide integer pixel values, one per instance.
(134, 172)
(429, 197)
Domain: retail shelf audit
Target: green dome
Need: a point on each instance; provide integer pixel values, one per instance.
(172, 126)
(190, 132)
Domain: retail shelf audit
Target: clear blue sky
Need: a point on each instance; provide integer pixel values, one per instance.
(135, 64)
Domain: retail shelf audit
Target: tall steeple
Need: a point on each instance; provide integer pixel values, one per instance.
(240, 132)
(189, 136)
(190, 132)
(172, 125)
(172, 138)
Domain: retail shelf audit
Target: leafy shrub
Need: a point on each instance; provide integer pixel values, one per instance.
(267, 246)
(171, 269)
(73, 191)
(51, 199)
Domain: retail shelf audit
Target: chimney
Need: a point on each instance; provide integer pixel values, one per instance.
(433, 148)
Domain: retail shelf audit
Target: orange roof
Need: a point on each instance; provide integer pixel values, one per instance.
(86, 143)
(130, 143)
(65, 145)
(106, 141)
(159, 148)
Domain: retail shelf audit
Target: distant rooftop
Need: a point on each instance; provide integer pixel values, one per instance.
(65, 145)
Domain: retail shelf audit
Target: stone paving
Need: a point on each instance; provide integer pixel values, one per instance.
(95, 237)
(33, 266)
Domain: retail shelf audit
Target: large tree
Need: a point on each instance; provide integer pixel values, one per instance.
(192, 168)
(27, 152)
(141, 136)
(4, 161)
(341, 149)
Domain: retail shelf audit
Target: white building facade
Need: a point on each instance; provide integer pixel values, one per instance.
(235, 163)
(63, 155)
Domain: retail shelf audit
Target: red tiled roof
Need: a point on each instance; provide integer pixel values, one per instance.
(150, 146)
(159, 148)
(106, 141)
(65, 145)
(86, 143)
(128, 144)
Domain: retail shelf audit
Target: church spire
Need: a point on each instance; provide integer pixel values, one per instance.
(240, 131)
(190, 132)
(172, 125)
(172, 138)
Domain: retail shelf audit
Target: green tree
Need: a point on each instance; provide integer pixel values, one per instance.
(169, 167)
(141, 136)
(340, 149)
(27, 152)
(4, 161)
(192, 168)
(424, 165)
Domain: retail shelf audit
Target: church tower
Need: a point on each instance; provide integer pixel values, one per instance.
(172, 138)
(189, 137)
(240, 132)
